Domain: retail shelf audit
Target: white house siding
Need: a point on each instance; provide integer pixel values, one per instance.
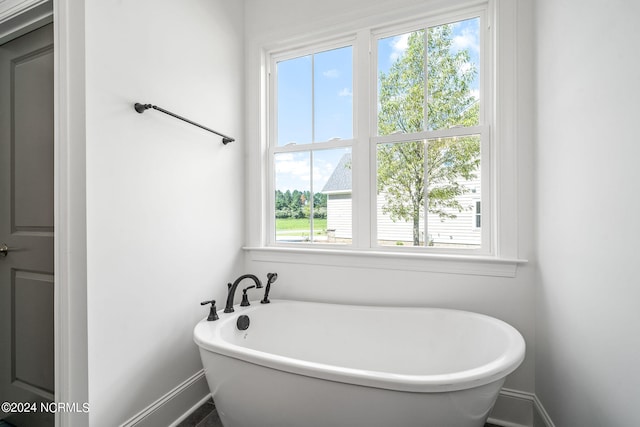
(339, 215)
(460, 230)
(339, 219)
(457, 231)
(390, 232)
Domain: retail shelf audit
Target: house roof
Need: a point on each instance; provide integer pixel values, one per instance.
(340, 179)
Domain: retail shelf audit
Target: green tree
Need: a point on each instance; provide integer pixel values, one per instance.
(401, 173)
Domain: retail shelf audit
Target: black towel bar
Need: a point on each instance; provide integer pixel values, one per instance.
(140, 108)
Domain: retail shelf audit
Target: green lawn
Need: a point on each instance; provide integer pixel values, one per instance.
(292, 226)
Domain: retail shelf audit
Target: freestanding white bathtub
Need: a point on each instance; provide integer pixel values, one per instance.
(302, 364)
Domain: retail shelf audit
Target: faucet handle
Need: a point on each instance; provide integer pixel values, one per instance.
(213, 312)
(245, 298)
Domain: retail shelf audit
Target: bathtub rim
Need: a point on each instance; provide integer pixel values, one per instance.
(508, 361)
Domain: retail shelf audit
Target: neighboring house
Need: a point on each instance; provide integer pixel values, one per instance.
(338, 191)
(463, 230)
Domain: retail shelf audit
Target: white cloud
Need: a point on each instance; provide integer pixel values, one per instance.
(293, 170)
(345, 92)
(331, 74)
(399, 45)
(467, 39)
(287, 163)
(321, 173)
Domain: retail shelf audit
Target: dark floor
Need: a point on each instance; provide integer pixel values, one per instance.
(207, 416)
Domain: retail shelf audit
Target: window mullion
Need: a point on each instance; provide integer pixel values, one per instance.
(269, 234)
(361, 181)
(313, 100)
(292, 148)
(425, 102)
(313, 139)
(311, 196)
(431, 134)
(425, 107)
(426, 193)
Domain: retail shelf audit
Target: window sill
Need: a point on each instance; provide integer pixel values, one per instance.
(436, 263)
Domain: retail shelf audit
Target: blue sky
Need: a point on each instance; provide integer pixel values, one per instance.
(465, 36)
(315, 103)
(322, 94)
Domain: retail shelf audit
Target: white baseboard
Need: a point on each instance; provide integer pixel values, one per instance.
(176, 405)
(513, 408)
(541, 417)
(190, 411)
(516, 408)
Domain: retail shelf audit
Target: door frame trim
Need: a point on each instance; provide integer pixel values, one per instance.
(71, 343)
(24, 16)
(70, 302)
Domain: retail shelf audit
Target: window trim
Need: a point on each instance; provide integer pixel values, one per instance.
(406, 261)
(486, 184)
(481, 11)
(502, 17)
(273, 148)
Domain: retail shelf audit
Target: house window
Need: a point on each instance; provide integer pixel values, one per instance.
(312, 137)
(411, 174)
(430, 131)
(478, 215)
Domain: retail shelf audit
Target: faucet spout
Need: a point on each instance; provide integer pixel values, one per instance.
(232, 290)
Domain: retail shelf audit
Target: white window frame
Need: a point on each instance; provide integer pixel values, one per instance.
(500, 260)
(274, 149)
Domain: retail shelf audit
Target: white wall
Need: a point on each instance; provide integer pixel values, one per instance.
(164, 199)
(588, 336)
(509, 299)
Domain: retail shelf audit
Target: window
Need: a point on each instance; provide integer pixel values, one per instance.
(424, 149)
(311, 146)
(429, 135)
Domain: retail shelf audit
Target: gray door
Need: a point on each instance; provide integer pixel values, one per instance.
(26, 227)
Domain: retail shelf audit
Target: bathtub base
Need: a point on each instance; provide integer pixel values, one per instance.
(250, 395)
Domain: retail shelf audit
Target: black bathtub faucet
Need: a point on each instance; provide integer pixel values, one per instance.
(213, 315)
(245, 297)
(271, 277)
(232, 290)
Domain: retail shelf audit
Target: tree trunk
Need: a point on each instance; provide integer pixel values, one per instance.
(416, 227)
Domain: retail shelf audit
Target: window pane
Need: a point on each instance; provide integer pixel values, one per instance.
(452, 75)
(318, 213)
(454, 191)
(453, 64)
(452, 184)
(293, 187)
(333, 198)
(400, 200)
(295, 101)
(333, 94)
(401, 83)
